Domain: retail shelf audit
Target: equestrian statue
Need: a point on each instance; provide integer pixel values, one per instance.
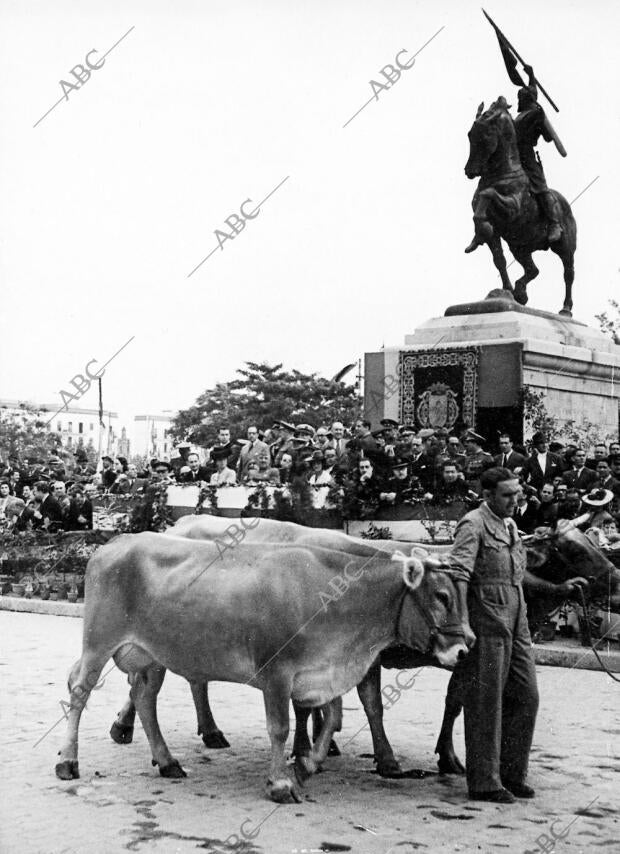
(512, 200)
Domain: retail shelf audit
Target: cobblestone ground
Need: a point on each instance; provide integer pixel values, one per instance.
(121, 804)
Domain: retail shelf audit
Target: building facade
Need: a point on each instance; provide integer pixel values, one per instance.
(75, 425)
(151, 436)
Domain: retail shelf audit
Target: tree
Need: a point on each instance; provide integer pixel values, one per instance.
(25, 436)
(537, 418)
(611, 325)
(261, 395)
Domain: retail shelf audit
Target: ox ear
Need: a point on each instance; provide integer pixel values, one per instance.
(480, 109)
(413, 569)
(420, 552)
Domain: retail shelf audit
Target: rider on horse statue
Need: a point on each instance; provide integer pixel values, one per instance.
(530, 124)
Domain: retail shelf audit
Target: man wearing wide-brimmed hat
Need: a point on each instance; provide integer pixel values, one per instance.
(598, 503)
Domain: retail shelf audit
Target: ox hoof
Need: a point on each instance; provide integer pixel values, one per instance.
(304, 767)
(121, 733)
(215, 740)
(172, 769)
(68, 769)
(334, 750)
(283, 791)
(449, 763)
(389, 768)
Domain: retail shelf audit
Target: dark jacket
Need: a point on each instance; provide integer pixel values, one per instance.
(514, 461)
(526, 517)
(50, 509)
(85, 509)
(202, 473)
(583, 480)
(108, 476)
(532, 472)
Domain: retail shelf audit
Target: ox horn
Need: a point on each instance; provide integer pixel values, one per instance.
(580, 520)
(413, 569)
(480, 109)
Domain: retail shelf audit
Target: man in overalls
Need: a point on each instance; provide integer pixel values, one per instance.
(498, 676)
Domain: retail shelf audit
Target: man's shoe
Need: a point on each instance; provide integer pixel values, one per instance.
(554, 234)
(520, 790)
(496, 796)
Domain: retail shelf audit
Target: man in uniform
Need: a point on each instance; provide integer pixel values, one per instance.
(476, 460)
(498, 676)
(283, 443)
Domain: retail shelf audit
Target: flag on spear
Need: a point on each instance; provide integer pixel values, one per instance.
(510, 60)
(510, 56)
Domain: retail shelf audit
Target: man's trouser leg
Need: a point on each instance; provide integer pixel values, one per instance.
(485, 671)
(520, 705)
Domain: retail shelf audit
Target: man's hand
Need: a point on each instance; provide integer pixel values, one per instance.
(572, 585)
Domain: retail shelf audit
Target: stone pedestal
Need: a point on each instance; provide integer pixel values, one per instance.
(469, 369)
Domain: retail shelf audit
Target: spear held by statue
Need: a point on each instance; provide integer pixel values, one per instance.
(510, 56)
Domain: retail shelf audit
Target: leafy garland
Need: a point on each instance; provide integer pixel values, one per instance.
(374, 532)
(259, 499)
(151, 512)
(207, 492)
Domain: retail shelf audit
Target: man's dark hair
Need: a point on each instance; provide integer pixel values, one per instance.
(4, 481)
(505, 436)
(365, 423)
(42, 486)
(449, 464)
(491, 478)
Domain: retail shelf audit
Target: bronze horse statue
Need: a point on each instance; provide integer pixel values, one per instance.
(505, 206)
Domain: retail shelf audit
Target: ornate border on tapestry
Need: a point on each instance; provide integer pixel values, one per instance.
(439, 404)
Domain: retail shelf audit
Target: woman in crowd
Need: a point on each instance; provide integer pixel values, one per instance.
(318, 475)
(286, 468)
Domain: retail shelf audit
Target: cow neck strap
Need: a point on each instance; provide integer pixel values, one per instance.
(450, 629)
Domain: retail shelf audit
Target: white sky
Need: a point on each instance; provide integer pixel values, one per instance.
(109, 203)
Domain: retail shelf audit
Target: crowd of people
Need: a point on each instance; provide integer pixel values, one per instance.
(370, 469)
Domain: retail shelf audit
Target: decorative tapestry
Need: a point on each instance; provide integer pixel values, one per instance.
(439, 388)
